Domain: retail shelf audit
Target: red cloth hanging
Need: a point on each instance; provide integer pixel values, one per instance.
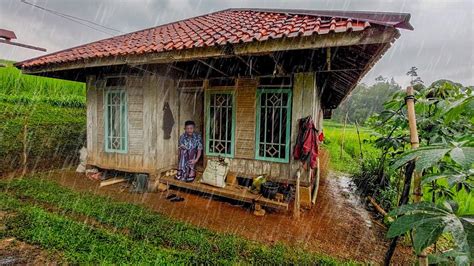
(306, 148)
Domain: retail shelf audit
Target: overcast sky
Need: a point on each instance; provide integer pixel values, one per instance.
(441, 46)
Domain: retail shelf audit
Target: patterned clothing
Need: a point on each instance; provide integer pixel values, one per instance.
(186, 170)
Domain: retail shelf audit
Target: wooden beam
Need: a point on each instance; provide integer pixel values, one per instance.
(230, 192)
(112, 181)
(23, 45)
(213, 68)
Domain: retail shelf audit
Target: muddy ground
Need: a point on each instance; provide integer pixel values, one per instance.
(338, 225)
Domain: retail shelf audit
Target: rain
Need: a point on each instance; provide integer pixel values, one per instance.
(236, 132)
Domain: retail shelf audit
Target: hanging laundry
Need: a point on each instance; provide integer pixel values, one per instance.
(306, 147)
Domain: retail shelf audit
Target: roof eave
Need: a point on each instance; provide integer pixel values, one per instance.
(372, 35)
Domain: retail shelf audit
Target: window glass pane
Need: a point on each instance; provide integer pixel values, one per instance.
(116, 120)
(220, 125)
(273, 137)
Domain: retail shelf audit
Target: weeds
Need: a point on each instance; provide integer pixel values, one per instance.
(146, 228)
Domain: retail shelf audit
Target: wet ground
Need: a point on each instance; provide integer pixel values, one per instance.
(338, 225)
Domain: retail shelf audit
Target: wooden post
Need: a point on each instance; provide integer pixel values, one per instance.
(415, 143)
(296, 213)
(360, 142)
(343, 133)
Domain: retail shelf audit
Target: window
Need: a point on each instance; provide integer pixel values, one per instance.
(220, 123)
(273, 124)
(115, 113)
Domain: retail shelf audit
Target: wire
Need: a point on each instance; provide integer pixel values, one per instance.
(75, 19)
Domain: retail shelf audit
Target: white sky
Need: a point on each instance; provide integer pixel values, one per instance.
(441, 46)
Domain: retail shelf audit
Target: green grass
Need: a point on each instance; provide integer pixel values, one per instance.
(16, 87)
(349, 162)
(147, 231)
(54, 113)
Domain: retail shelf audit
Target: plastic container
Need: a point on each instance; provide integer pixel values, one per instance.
(244, 181)
(269, 189)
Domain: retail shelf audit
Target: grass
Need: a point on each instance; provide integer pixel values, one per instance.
(126, 232)
(53, 113)
(16, 87)
(349, 160)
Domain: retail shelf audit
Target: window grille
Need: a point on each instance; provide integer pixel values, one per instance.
(220, 123)
(115, 121)
(273, 124)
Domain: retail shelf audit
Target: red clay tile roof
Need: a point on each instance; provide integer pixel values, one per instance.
(222, 27)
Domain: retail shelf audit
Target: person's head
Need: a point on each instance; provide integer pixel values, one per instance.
(189, 127)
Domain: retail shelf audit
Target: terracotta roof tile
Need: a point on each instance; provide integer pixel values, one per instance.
(227, 26)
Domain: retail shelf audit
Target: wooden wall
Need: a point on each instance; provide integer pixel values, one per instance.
(147, 148)
(305, 102)
(191, 107)
(149, 151)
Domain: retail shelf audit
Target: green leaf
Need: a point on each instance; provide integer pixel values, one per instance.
(406, 223)
(427, 232)
(430, 178)
(421, 207)
(427, 157)
(463, 156)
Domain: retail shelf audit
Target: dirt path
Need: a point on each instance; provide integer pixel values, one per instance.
(338, 225)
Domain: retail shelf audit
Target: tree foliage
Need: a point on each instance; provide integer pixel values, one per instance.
(444, 113)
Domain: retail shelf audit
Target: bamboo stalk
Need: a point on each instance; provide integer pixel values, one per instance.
(415, 143)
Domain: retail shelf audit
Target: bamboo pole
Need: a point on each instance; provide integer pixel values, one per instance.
(415, 143)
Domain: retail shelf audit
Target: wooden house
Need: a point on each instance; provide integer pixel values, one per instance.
(245, 76)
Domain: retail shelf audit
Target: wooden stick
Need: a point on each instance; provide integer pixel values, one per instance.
(379, 208)
(112, 181)
(316, 182)
(360, 142)
(25, 149)
(343, 133)
(297, 195)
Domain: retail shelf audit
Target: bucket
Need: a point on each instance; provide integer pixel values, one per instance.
(269, 189)
(244, 181)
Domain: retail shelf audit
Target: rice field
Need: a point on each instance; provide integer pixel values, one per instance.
(16, 87)
(347, 159)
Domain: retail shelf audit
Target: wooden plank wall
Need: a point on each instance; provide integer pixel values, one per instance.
(246, 94)
(147, 149)
(191, 107)
(306, 101)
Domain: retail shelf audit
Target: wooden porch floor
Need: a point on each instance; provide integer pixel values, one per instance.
(230, 191)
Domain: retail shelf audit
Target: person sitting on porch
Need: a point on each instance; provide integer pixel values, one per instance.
(190, 150)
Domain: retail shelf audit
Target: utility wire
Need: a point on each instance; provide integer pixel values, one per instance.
(75, 19)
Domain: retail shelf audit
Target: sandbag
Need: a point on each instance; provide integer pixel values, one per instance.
(216, 172)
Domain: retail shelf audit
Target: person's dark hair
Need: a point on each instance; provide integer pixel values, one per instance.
(189, 123)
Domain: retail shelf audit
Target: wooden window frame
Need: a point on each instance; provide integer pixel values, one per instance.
(265, 89)
(207, 100)
(124, 114)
